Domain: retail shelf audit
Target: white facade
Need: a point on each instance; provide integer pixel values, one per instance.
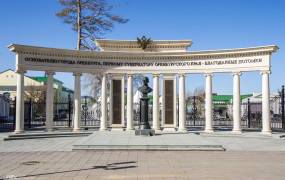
(256, 99)
(8, 83)
(161, 58)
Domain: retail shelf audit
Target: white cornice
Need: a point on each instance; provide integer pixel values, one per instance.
(34, 50)
(268, 48)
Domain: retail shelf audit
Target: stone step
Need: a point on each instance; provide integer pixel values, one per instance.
(242, 135)
(148, 147)
(45, 135)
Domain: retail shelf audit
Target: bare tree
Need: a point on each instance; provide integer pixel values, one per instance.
(90, 19)
(35, 93)
(92, 83)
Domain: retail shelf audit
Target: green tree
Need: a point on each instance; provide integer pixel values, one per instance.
(90, 19)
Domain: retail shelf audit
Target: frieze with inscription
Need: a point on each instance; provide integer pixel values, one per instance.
(144, 64)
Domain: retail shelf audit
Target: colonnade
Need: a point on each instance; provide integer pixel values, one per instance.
(266, 129)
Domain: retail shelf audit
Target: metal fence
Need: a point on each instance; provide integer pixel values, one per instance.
(7, 117)
(34, 114)
(251, 114)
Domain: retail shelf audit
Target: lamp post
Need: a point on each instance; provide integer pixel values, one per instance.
(248, 112)
(194, 109)
(85, 109)
(282, 107)
(69, 110)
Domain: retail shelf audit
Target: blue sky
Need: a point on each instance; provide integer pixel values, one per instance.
(210, 24)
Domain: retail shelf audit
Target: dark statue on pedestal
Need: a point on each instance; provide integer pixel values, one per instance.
(144, 127)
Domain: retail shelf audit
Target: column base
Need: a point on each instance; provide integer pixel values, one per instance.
(158, 131)
(49, 130)
(182, 130)
(208, 130)
(132, 129)
(76, 130)
(19, 131)
(103, 129)
(236, 131)
(266, 133)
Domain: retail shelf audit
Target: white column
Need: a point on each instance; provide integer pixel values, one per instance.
(208, 104)
(77, 101)
(19, 126)
(130, 123)
(111, 100)
(182, 110)
(266, 121)
(123, 101)
(163, 102)
(236, 103)
(103, 122)
(155, 106)
(49, 101)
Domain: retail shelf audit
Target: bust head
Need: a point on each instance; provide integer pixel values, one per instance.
(145, 80)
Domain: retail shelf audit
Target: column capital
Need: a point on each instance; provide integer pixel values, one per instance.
(155, 75)
(110, 75)
(20, 71)
(181, 75)
(77, 73)
(265, 72)
(103, 74)
(130, 75)
(238, 73)
(50, 73)
(208, 74)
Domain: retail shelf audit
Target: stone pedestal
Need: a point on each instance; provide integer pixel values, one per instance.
(145, 132)
(144, 128)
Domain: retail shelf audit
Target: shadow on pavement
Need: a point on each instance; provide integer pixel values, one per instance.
(111, 166)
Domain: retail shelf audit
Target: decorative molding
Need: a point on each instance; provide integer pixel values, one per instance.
(208, 74)
(265, 72)
(21, 71)
(132, 44)
(237, 73)
(77, 73)
(50, 73)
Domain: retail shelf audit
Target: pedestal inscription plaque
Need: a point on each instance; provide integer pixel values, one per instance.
(117, 102)
(169, 101)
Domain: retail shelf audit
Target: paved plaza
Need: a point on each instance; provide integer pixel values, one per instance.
(142, 165)
(247, 156)
(248, 141)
